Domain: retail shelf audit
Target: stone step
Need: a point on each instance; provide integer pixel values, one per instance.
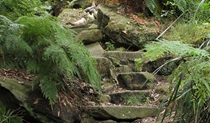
(121, 113)
(136, 80)
(95, 49)
(123, 57)
(131, 97)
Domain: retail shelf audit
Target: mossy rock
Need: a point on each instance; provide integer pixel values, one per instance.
(89, 36)
(136, 80)
(116, 27)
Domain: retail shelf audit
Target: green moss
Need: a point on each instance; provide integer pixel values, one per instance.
(137, 98)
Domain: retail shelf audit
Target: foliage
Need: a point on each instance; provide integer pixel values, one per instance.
(42, 46)
(154, 7)
(192, 90)
(17, 8)
(109, 46)
(204, 12)
(188, 33)
(176, 7)
(9, 116)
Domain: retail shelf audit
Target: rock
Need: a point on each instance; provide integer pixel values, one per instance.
(118, 113)
(85, 118)
(95, 49)
(89, 36)
(70, 15)
(147, 120)
(122, 57)
(136, 80)
(107, 121)
(124, 68)
(105, 98)
(103, 66)
(108, 87)
(76, 18)
(29, 99)
(19, 89)
(130, 97)
(165, 70)
(124, 30)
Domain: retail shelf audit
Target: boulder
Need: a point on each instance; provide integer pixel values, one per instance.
(76, 19)
(136, 80)
(89, 36)
(70, 15)
(103, 66)
(121, 113)
(124, 30)
(20, 93)
(95, 49)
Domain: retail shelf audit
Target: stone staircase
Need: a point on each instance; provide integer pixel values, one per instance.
(128, 96)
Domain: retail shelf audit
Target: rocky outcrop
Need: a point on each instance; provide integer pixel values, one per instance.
(20, 94)
(123, 86)
(124, 30)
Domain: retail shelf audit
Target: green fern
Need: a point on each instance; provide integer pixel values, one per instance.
(158, 49)
(191, 77)
(17, 8)
(49, 89)
(181, 4)
(154, 7)
(9, 116)
(44, 47)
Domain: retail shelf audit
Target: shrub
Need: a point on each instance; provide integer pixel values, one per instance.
(191, 79)
(42, 46)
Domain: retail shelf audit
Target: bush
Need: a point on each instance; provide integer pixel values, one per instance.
(191, 79)
(42, 46)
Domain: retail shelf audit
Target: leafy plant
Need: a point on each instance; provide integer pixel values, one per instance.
(196, 34)
(192, 8)
(42, 46)
(109, 46)
(17, 8)
(191, 79)
(9, 116)
(204, 12)
(154, 6)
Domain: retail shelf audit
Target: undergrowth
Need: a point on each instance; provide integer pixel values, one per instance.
(188, 33)
(42, 46)
(13, 9)
(9, 116)
(191, 92)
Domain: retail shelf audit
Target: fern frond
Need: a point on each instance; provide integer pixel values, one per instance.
(158, 49)
(191, 77)
(17, 8)
(11, 37)
(61, 60)
(49, 89)
(81, 56)
(47, 49)
(181, 4)
(154, 7)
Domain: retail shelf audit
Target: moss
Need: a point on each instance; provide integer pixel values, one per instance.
(137, 98)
